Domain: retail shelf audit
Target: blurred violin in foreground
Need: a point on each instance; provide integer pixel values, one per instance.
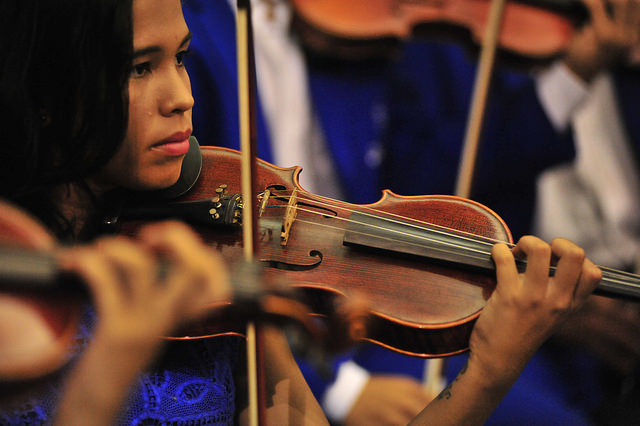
(35, 331)
(41, 300)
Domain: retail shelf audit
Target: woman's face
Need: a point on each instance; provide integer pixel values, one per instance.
(160, 100)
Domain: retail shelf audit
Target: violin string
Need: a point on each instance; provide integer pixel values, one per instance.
(609, 273)
(619, 272)
(617, 276)
(426, 239)
(380, 214)
(468, 254)
(400, 233)
(427, 226)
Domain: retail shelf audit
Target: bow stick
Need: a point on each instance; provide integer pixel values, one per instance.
(479, 99)
(247, 108)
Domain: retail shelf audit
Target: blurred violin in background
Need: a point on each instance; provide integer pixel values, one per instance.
(358, 29)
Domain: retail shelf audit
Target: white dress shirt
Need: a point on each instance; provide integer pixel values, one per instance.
(593, 201)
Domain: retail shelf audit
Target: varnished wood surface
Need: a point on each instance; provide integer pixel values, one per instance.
(417, 306)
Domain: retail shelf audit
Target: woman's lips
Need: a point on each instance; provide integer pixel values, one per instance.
(173, 148)
(177, 144)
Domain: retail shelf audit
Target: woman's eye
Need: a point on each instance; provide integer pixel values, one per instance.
(140, 70)
(180, 57)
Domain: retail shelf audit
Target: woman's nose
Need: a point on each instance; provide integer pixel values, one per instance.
(178, 98)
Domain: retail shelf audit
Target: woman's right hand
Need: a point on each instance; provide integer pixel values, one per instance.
(143, 288)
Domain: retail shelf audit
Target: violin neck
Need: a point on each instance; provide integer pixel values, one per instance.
(374, 232)
(619, 284)
(614, 283)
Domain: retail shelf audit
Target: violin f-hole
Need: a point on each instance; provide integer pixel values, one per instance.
(287, 266)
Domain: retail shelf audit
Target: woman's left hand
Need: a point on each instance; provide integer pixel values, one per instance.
(525, 309)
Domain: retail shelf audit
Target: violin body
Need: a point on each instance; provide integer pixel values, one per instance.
(418, 307)
(363, 28)
(36, 328)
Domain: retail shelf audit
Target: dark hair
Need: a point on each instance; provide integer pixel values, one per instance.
(64, 68)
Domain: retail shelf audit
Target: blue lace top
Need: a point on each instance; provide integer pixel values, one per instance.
(191, 384)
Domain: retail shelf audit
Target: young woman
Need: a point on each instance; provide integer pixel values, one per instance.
(95, 98)
(66, 80)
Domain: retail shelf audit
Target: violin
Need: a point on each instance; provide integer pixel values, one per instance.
(537, 30)
(36, 327)
(40, 303)
(421, 264)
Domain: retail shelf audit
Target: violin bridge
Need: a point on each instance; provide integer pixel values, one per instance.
(289, 217)
(264, 201)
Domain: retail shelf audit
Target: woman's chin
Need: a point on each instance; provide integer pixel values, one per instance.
(159, 182)
(160, 178)
(152, 178)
